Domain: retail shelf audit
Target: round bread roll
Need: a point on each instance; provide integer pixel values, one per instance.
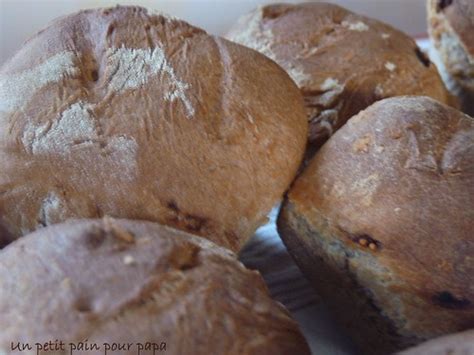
(121, 281)
(382, 222)
(456, 344)
(130, 114)
(341, 61)
(451, 28)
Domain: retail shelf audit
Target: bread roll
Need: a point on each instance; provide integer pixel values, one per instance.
(382, 222)
(130, 114)
(341, 61)
(451, 28)
(120, 281)
(457, 344)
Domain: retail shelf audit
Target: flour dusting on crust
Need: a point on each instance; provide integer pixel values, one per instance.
(390, 66)
(357, 26)
(73, 126)
(52, 210)
(123, 156)
(17, 89)
(155, 12)
(330, 84)
(379, 92)
(133, 68)
(298, 75)
(254, 36)
(74, 135)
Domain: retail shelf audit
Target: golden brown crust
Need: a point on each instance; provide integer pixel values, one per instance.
(121, 281)
(342, 62)
(390, 199)
(126, 113)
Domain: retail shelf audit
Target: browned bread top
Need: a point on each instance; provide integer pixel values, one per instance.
(342, 62)
(132, 114)
(456, 344)
(120, 281)
(395, 186)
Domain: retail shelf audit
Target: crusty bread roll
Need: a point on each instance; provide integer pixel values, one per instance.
(125, 113)
(451, 28)
(342, 62)
(455, 344)
(382, 222)
(121, 281)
